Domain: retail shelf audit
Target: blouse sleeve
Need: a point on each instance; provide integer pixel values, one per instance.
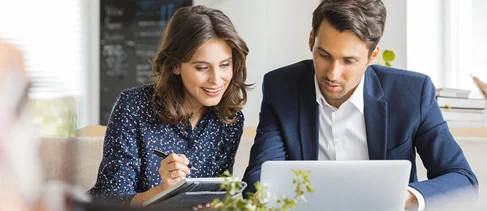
(120, 167)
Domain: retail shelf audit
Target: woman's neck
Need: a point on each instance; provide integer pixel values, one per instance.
(197, 115)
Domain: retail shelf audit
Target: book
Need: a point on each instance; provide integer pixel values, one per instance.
(453, 90)
(448, 102)
(189, 192)
(463, 114)
(465, 124)
(456, 93)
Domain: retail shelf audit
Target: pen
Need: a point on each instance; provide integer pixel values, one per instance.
(164, 155)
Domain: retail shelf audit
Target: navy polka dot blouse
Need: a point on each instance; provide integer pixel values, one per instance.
(133, 131)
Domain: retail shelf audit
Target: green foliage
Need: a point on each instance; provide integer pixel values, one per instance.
(55, 117)
(387, 57)
(258, 201)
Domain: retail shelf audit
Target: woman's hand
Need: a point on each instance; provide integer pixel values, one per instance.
(202, 207)
(173, 169)
(207, 206)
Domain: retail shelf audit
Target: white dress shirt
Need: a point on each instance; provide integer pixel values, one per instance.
(342, 134)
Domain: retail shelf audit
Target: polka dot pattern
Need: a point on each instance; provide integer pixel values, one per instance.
(129, 167)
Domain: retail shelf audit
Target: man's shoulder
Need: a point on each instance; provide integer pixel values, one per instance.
(391, 73)
(292, 71)
(401, 84)
(285, 84)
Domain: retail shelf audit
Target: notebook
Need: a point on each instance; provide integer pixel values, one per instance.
(189, 192)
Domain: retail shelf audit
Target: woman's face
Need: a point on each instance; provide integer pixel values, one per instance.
(208, 73)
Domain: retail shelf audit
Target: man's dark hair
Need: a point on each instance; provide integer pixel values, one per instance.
(365, 18)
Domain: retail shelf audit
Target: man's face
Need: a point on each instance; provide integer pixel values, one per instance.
(340, 60)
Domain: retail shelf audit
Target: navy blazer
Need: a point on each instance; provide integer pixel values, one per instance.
(401, 115)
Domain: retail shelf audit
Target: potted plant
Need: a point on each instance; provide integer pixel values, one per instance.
(258, 201)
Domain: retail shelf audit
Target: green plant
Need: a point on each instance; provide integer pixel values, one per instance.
(387, 57)
(56, 116)
(258, 201)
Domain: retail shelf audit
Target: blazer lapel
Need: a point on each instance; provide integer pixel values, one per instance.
(308, 118)
(375, 114)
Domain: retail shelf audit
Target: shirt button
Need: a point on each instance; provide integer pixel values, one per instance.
(338, 142)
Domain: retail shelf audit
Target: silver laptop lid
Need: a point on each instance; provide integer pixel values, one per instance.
(342, 185)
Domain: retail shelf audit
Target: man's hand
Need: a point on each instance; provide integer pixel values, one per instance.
(411, 201)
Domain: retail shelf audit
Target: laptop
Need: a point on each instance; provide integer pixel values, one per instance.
(342, 185)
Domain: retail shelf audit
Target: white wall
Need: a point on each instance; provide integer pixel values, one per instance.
(91, 103)
(425, 38)
(415, 32)
(288, 28)
(394, 37)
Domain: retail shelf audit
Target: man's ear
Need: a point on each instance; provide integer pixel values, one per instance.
(311, 41)
(374, 55)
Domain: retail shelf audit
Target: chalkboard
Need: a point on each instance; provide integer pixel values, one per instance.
(130, 32)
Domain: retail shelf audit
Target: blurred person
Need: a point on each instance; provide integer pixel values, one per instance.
(22, 181)
(21, 175)
(339, 106)
(192, 111)
(481, 85)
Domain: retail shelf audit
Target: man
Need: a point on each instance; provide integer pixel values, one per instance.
(337, 107)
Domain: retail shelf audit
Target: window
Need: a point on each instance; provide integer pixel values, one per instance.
(52, 35)
(466, 41)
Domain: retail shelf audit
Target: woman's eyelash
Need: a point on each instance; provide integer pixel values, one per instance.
(201, 68)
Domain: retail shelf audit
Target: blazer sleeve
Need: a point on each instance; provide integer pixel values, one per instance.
(268, 143)
(120, 166)
(447, 167)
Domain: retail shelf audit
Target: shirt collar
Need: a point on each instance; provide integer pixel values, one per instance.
(357, 98)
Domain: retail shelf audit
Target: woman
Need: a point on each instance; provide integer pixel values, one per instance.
(193, 110)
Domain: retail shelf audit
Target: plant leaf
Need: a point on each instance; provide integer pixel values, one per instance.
(388, 56)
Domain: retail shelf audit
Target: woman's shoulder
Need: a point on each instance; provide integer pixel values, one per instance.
(240, 117)
(138, 93)
(239, 121)
(135, 100)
